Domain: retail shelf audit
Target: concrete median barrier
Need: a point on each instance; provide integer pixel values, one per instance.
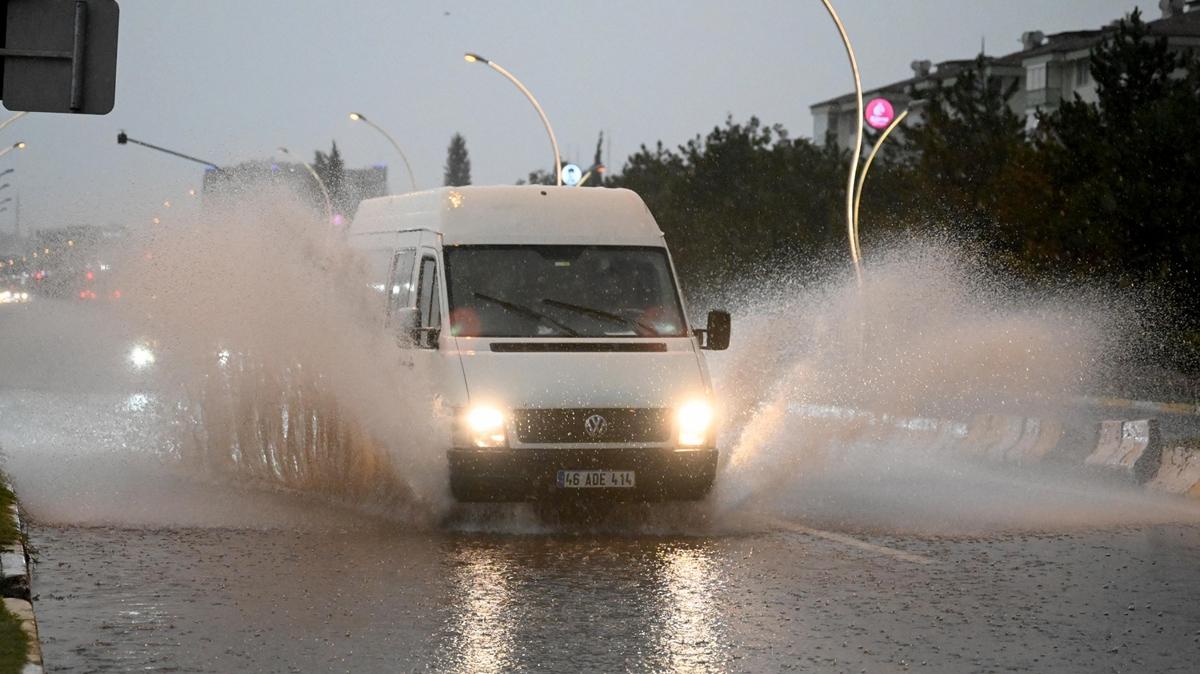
(1178, 473)
(1039, 437)
(1010, 439)
(990, 436)
(1132, 449)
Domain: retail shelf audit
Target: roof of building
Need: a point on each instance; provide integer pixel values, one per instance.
(1185, 24)
(515, 214)
(944, 70)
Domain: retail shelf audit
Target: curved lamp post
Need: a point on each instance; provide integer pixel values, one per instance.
(359, 117)
(862, 177)
(594, 168)
(19, 145)
(320, 183)
(856, 152)
(473, 58)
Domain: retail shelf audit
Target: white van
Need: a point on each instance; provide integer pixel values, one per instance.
(557, 336)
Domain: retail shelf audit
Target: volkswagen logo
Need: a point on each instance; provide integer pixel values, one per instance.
(595, 426)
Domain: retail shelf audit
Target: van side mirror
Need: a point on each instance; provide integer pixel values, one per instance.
(715, 337)
(406, 324)
(426, 338)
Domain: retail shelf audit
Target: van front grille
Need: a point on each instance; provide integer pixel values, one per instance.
(592, 425)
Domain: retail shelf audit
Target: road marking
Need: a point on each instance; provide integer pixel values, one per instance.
(852, 542)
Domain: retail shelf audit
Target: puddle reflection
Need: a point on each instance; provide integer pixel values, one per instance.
(584, 605)
(481, 622)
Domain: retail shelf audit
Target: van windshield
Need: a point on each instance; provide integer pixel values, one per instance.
(562, 291)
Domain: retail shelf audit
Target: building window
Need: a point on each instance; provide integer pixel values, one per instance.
(1083, 73)
(1035, 77)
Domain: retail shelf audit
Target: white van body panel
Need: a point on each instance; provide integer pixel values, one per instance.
(547, 380)
(517, 214)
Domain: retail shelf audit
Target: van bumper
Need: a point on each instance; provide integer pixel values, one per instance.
(505, 475)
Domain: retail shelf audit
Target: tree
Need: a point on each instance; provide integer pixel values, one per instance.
(1124, 169)
(741, 199)
(1125, 166)
(332, 171)
(959, 153)
(458, 163)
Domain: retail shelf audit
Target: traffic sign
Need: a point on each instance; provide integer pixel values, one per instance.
(880, 113)
(59, 55)
(571, 175)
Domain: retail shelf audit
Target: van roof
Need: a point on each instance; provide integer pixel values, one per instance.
(515, 214)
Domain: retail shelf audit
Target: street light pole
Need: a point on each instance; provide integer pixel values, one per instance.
(320, 183)
(472, 58)
(856, 152)
(359, 117)
(123, 138)
(862, 177)
(19, 145)
(594, 168)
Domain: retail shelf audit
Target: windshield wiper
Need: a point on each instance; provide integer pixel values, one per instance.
(603, 315)
(526, 311)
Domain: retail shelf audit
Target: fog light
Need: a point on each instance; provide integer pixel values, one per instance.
(485, 426)
(695, 421)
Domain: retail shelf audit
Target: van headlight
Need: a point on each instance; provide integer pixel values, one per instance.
(484, 426)
(695, 420)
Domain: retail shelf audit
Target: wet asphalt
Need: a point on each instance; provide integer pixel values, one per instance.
(370, 598)
(144, 568)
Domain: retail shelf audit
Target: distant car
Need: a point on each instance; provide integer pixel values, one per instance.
(557, 334)
(13, 296)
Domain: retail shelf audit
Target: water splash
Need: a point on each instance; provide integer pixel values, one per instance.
(270, 340)
(851, 404)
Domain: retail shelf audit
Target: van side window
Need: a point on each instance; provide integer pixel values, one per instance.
(400, 288)
(427, 294)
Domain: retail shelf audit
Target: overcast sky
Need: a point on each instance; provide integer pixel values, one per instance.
(230, 80)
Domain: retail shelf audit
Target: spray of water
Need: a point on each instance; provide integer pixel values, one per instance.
(270, 339)
(838, 398)
(849, 404)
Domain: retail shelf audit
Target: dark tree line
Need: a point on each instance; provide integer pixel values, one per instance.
(1104, 192)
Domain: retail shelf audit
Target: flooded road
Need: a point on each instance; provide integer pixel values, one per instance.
(368, 598)
(144, 564)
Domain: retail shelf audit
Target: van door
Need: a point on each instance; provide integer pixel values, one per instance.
(436, 352)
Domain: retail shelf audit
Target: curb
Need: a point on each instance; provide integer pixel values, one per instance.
(15, 582)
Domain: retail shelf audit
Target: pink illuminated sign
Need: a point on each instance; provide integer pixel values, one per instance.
(880, 113)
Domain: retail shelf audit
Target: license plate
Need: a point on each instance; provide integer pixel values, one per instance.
(595, 479)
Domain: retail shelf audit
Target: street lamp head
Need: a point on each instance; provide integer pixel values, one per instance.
(472, 57)
(358, 117)
(6, 172)
(284, 150)
(20, 145)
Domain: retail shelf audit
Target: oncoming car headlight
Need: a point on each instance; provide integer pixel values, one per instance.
(694, 419)
(483, 426)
